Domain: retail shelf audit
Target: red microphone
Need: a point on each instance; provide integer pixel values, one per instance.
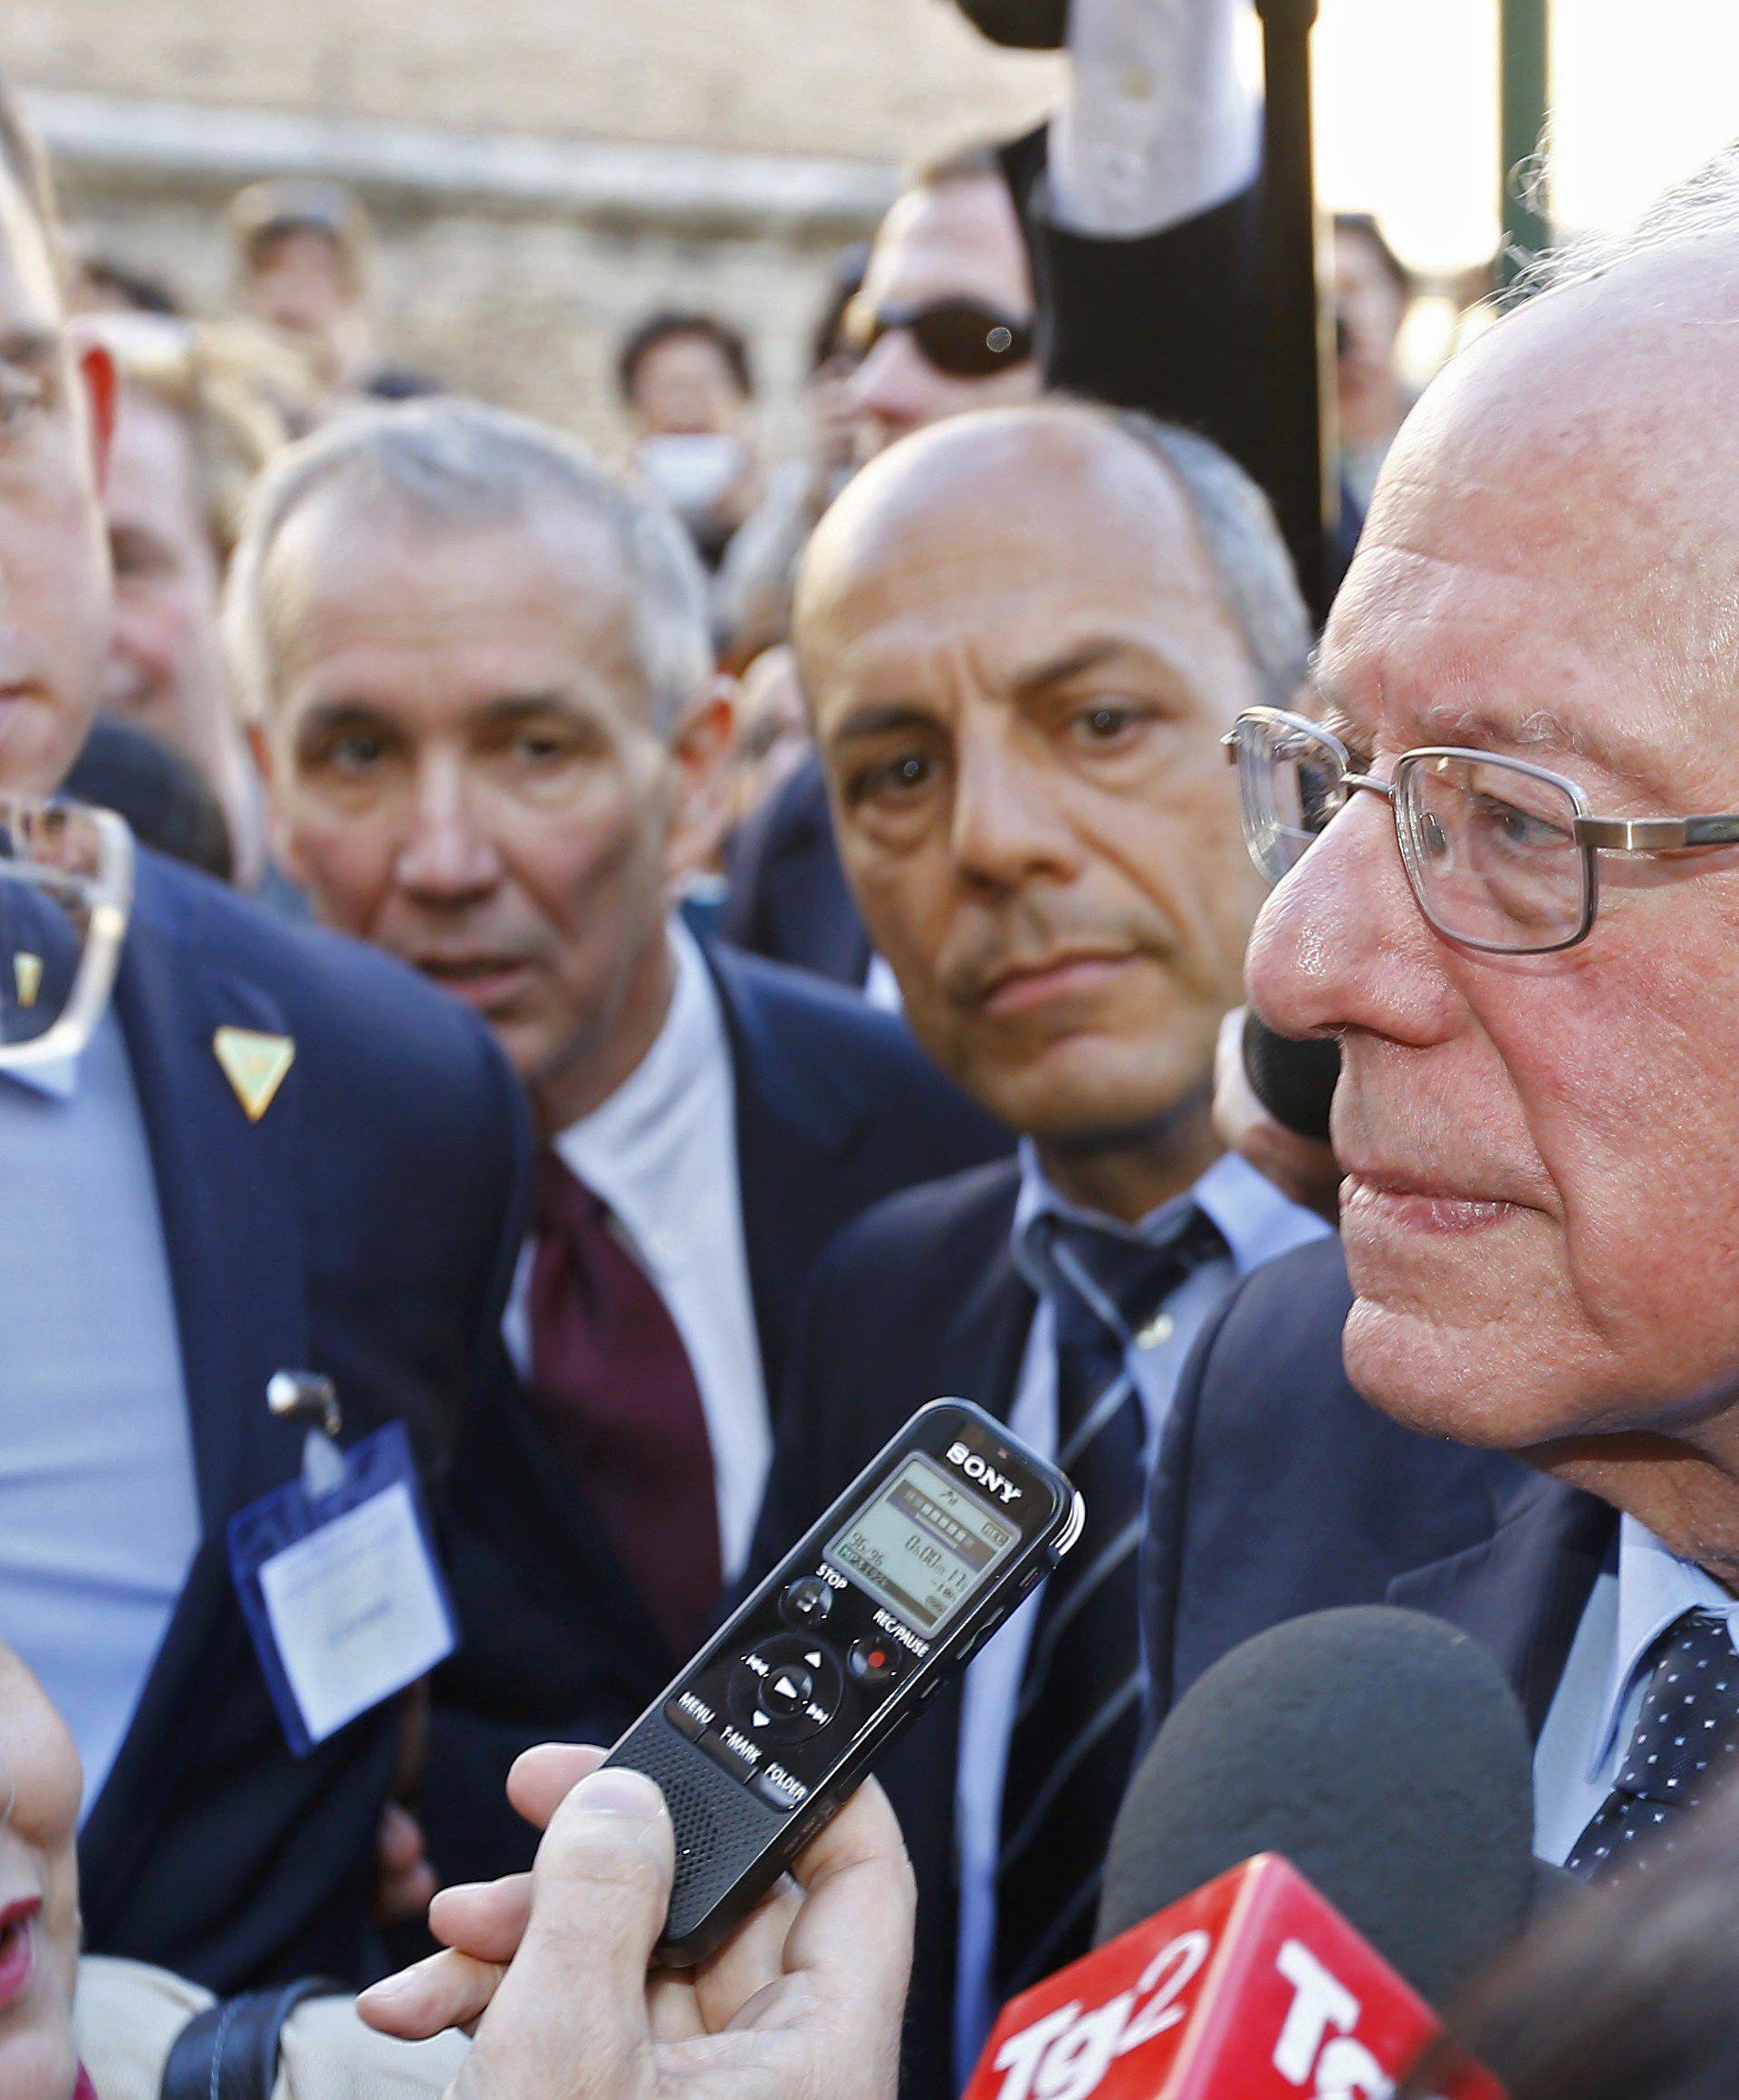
(1255, 1987)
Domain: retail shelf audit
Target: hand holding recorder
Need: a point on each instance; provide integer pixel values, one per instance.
(553, 1968)
(786, 1935)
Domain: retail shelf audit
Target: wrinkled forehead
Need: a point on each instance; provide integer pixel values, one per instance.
(1552, 559)
(351, 569)
(958, 239)
(1002, 537)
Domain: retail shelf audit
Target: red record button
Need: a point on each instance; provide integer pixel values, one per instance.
(871, 1661)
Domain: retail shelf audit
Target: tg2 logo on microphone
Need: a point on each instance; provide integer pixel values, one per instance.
(1253, 1985)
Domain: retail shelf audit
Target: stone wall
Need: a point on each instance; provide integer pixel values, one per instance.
(871, 78)
(543, 171)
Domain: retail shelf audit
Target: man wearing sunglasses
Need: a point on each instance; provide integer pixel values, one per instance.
(1113, 254)
(944, 321)
(272, 1152)
(1503, 830)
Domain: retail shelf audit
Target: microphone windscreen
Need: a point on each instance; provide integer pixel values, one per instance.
(1382, 1753)
(1294, 1080)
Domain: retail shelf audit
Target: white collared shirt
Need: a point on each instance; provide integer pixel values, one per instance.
(1257, 1224)
(1598, 1699)
(661, 1153)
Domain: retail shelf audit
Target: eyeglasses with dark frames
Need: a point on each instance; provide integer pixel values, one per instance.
(1500, 854)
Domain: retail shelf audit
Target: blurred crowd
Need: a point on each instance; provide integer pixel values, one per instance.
(619, 978)
(209, 400)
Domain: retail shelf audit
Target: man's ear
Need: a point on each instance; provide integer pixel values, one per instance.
(100, 379)
(701, 746)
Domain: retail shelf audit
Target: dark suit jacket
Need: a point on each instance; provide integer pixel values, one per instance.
(363, 1227)
(836, 1107)
(919, 1299)
(789, 898)
(1279, 1491)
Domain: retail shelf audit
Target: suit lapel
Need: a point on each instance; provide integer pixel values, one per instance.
(994, 1318)
(227, 1192)
(793, 1124)
(1521, 1593)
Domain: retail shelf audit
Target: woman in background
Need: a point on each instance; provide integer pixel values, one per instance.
(102, 2029)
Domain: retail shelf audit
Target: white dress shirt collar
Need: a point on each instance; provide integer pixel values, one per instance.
(1254, 1220)
(1656, 1587)
(627, 1150)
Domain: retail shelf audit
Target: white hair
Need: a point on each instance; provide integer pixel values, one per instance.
(445, 463)
(1245, 550)
(1703, 206)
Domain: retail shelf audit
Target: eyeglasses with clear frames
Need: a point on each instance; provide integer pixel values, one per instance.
(1500, 853)
(66, 888)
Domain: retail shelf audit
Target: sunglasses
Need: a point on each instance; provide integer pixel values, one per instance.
(961, 338)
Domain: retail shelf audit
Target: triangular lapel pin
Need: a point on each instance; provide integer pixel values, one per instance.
(27, 971)
(254, 1066)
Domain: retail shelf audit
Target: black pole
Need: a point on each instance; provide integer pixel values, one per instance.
(1305, 490)
(1524, 30)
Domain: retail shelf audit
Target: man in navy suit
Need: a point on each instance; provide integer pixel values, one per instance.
(1022, 633)
(483, 670)
(1535, 1008)
(180, 1226)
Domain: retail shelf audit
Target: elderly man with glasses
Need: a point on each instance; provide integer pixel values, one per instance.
(1528, 958)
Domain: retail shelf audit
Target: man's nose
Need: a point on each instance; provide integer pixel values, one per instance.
(1008, 823)
(892, 386)
(1341, 943)
(447, 855)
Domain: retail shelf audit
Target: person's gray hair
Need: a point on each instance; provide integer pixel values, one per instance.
(1244, 549)
(446, 463)
(1702, 206)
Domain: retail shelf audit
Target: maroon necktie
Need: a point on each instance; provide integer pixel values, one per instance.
(614, 1387)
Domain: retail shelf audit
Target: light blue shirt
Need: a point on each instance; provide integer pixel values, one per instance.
(1257, 1223)
(1595, 1709)
(98, 1512)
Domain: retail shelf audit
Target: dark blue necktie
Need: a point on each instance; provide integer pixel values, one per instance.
(1682, 1750)
(1079, 1715)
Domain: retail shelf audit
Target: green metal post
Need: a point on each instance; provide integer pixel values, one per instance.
(1523, 29)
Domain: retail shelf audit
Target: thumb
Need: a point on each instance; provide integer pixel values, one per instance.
(575, 1993)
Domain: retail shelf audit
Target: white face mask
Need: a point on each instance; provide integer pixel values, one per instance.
(66, 887)
(692, 470)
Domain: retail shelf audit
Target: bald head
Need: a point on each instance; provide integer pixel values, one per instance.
(1544, 1151)
(1021, 644)
(1579, 458)
(971, 497)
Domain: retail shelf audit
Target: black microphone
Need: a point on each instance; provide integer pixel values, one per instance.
(1383, 1754)
(1293, 1079)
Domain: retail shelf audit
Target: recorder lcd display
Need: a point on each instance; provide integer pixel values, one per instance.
(925, 1546)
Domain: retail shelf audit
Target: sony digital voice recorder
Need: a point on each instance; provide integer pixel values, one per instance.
(784, 1710)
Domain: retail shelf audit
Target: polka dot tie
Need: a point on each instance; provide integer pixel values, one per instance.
(1685, 1746)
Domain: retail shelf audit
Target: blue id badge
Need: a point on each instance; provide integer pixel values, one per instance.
(339, 1587)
